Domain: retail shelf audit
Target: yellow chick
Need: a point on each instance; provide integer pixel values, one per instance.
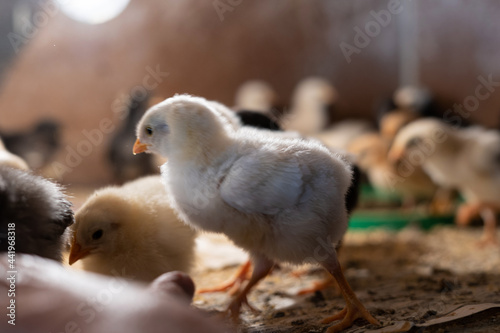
(466, 159)
(282, 200)
(411, 184)
(131, 231)
(393, 121)
(11, 160)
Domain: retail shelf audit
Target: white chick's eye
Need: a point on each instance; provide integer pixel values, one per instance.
(149, 130)
(414, 142)
(98, 234)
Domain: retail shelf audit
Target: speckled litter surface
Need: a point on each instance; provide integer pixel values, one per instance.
(407, 276)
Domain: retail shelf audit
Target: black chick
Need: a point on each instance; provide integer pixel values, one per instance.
(125, 165)
(257, 120)
(36, 146)
(39, 211)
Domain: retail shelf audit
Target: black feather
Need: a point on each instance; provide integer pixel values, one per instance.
(38, 208)
(127, 166)
(258, 120)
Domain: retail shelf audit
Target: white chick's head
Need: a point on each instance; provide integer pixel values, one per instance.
(411, 97)
(422, 137)
(256, 95)
(183, 123)
(314, 91)
(100, 227)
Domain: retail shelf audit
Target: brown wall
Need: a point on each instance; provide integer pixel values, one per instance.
(74, 72)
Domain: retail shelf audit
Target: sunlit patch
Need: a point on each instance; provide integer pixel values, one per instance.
(92, 11)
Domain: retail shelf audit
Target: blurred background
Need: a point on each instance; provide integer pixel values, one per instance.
(71, 67)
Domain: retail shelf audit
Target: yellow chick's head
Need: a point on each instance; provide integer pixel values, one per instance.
(99, 227)
(183, 124)
(370, 150)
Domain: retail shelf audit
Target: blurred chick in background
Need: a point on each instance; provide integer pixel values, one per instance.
(39, 210)
(372, 151)
(467, 159)
(284, 194)
(131, 231)
(127, 167)
(11, 160)
(313, 103)
(415, 99)
(36, 146)
(256, 95)
(391, 122)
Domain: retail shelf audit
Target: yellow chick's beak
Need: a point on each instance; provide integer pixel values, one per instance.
(139, 147)
(396, 154)
(77, 252)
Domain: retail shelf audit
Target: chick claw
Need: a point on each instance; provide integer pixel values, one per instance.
(233, 310)
(348, 315)
(234, 283)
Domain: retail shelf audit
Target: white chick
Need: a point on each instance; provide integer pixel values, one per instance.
(132, 231)
(282, 200)
(11, 160)
(371, 151)
(464, 159)
(255, 95)
(412, 98)
(312, 99)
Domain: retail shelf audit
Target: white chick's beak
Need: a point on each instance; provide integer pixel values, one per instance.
(139, 147)
(77, 252)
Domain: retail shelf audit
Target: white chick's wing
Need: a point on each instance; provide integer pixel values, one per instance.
(263, 184)
(485, 154)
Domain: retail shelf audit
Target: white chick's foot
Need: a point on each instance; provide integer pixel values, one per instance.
(234, 283)
(487, 240)
(262, 267)
(354, 309)
(233, 310)
(489, 237)
(348, 315)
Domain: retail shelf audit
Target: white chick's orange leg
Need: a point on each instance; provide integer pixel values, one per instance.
(442, 202)
(318, 286)
(234, 283)
(490, 227)
(262, 267)
(487, 211)
(321, 285)
(466, 212)
(354, 309)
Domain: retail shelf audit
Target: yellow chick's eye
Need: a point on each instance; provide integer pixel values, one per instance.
(149, 130)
